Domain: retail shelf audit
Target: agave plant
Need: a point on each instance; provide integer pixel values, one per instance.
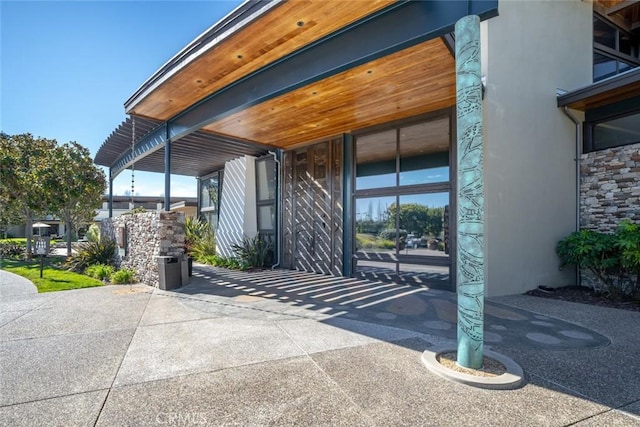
(252, 251)
(102, 252)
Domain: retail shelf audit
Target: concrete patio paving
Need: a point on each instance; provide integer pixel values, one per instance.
(287, 348)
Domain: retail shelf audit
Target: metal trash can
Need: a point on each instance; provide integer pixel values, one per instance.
(169, 272)
(184, 268)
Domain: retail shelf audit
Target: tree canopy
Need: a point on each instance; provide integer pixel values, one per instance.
(39, 177)
(418, 219)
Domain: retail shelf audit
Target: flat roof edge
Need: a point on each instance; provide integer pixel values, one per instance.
(597, 88)
(230, 24)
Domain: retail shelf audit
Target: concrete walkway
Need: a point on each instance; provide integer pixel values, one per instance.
(243, 349)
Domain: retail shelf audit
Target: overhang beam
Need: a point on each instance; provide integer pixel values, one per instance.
(397, 27)
(622, 6)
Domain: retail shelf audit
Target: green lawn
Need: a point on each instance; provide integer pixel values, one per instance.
(53, 278)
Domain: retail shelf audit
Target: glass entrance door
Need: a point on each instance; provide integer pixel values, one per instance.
(402, 203)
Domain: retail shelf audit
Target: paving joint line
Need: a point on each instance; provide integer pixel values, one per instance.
(53, 397)
(327, 376)
(104, 402)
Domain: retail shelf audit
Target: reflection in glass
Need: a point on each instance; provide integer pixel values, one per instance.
(604, 34)
(376, 225)
(614, 133)
(265, 171)
(266, 217)
(376, 160)
(209, 192)
(424, 152)
(424, 218)
(603, 67)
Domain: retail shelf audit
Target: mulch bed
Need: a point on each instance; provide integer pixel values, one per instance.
(584, 295)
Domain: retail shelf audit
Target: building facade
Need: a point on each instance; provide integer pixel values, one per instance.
(333, 133)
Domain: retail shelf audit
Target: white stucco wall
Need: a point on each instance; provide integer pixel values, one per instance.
(237, 205)
(531, 49)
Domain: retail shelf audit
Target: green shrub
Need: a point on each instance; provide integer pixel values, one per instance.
(202, 244)
(252, 251)
(91, 253)
(124, 276)
(224, 262)
(613, 258)
(99, 271)
(93, 233)
(390, 234)
(12, 250)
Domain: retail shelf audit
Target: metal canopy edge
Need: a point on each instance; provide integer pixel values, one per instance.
(598, 88)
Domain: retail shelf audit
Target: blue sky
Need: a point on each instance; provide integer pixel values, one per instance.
(67, 67)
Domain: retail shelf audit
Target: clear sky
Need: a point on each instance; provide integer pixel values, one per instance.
(67, 67)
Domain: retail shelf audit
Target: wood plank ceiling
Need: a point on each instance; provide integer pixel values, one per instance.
(282, 30)
(416, 80)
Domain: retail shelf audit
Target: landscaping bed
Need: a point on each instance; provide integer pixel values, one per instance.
(584, 295)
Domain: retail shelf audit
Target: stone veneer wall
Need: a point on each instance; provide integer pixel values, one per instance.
(610, 187)
(148, 235)
(609, 192)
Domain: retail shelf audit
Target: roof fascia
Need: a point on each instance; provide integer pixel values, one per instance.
(597, 88)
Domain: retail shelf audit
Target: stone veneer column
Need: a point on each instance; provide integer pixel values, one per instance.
(148, 235)
(470, 194)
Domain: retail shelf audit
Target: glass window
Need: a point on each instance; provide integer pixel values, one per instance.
(614, 50)
(266, 194)
(376, 224)
(266, 177)
(617, 132)
(603, 66)
(425, 219)
(266, 217)
(604, 33)
(209, 194)
(424, 153)
(376, 160)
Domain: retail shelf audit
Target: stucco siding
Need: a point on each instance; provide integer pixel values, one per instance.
(531, 49)
(237, 205)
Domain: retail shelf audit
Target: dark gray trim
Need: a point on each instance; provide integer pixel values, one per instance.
(614, 54)
(167, 175)
(110, 195)
(348, 159)
(449, 40)
(598, 88)
(406, 190)
(453, 204)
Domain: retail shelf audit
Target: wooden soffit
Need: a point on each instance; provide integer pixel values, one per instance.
(624, 13)
(413, 81)
(284, 29)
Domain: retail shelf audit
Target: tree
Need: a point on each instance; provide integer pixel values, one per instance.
(81, 185)
(27, 180)
(418, 219)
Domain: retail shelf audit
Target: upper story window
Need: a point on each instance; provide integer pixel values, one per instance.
(614, 49)
(612, 132)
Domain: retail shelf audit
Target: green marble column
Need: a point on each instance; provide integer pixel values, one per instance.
(470, 196)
